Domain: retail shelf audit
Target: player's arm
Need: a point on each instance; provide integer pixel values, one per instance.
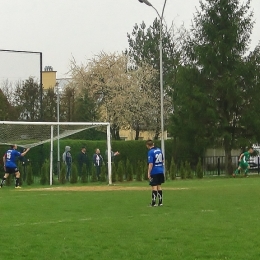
(241, 156)
(4, 159)
(150, 167)
(25, 152)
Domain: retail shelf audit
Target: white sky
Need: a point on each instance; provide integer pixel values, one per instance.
(61, 29)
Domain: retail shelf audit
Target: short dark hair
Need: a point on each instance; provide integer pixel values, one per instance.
(150, 143)
(251, 147)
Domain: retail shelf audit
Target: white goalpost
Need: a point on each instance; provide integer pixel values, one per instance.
(32, 134)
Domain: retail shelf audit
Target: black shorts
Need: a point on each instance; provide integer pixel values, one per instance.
(10, 170)
(156, 179)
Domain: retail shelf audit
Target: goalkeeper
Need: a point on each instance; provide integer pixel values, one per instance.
(10, 166)
(243, 162)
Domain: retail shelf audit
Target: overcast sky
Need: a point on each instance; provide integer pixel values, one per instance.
(61, 29)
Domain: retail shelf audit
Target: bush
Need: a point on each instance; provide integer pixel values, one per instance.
(9, 180)
(145, 170)
(74, 174)
(173, 170)
(139, 171)
(114, 172)
(188, 170)
(120, 171)
(62, 177)
(29, 177)
(93, 174)
(199, 170)
(182, 171)
(84, 176)
(44, 173)
(103, 175)
(129, 171)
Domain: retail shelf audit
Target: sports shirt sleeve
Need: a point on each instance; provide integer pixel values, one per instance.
(150, 157)
(17, 153)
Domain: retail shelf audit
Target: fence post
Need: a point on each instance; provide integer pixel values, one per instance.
(218, 166)
(258, 164)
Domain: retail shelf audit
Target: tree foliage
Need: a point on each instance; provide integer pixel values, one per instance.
(217, 87)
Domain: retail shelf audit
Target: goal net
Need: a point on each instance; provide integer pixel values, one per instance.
(34, 134)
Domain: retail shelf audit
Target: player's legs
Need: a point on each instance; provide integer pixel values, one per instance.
(68, 167)
(3, 180)
(17, 178)
(237, 171)
(160, 195)
(247, 169)
(154, 195)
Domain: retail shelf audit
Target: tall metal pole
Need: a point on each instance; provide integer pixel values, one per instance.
(162, 94)
(41, 89)
(161, 72)
(51, 155)
(58, 130)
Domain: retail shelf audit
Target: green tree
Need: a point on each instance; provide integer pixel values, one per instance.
(27, 99)
(199, 170)
(182, 171)
(44, 173)
(129, 171)
(120, 171)
(139, 171)
(62, 177)
(84, 176)
(144, 49)
(188, 170)
(215, 98)
(29, 175)
(7, 111)
(49, 105)
(173, 170)
(74, 174)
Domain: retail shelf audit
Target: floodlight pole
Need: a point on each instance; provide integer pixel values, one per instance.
(41, 86)
(161, 72)
(58, 128)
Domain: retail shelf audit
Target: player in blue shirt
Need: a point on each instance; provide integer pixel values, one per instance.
(155, 172)
(10, 166)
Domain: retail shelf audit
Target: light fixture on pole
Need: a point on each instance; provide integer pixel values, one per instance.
(161, 69)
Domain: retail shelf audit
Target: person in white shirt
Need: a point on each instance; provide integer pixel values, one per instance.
(98, 161)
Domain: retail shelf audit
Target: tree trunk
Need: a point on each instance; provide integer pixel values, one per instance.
(157, 133)
(228, 159)
(137, 132)
(117, 133)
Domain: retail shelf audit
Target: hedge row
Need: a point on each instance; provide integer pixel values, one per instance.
(131, 152)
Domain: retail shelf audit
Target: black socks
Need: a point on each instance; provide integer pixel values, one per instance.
(3, 181)
(154, 196)
(160, 196)
(17, 182)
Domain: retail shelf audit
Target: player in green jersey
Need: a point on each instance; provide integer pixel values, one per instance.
(243, 162)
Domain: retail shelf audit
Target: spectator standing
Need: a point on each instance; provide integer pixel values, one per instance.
(98, 161)
(82, 159)
(67, 159)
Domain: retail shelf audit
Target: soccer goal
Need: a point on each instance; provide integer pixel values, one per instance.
(33, 134)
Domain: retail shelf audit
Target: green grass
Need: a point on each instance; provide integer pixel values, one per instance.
(211, 219)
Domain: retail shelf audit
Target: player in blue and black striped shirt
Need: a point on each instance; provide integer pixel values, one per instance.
(155, 172)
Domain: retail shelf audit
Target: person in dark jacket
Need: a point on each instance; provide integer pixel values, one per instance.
(98, 161)
(82, 159)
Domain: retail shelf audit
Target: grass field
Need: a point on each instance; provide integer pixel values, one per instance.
(205, 219)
